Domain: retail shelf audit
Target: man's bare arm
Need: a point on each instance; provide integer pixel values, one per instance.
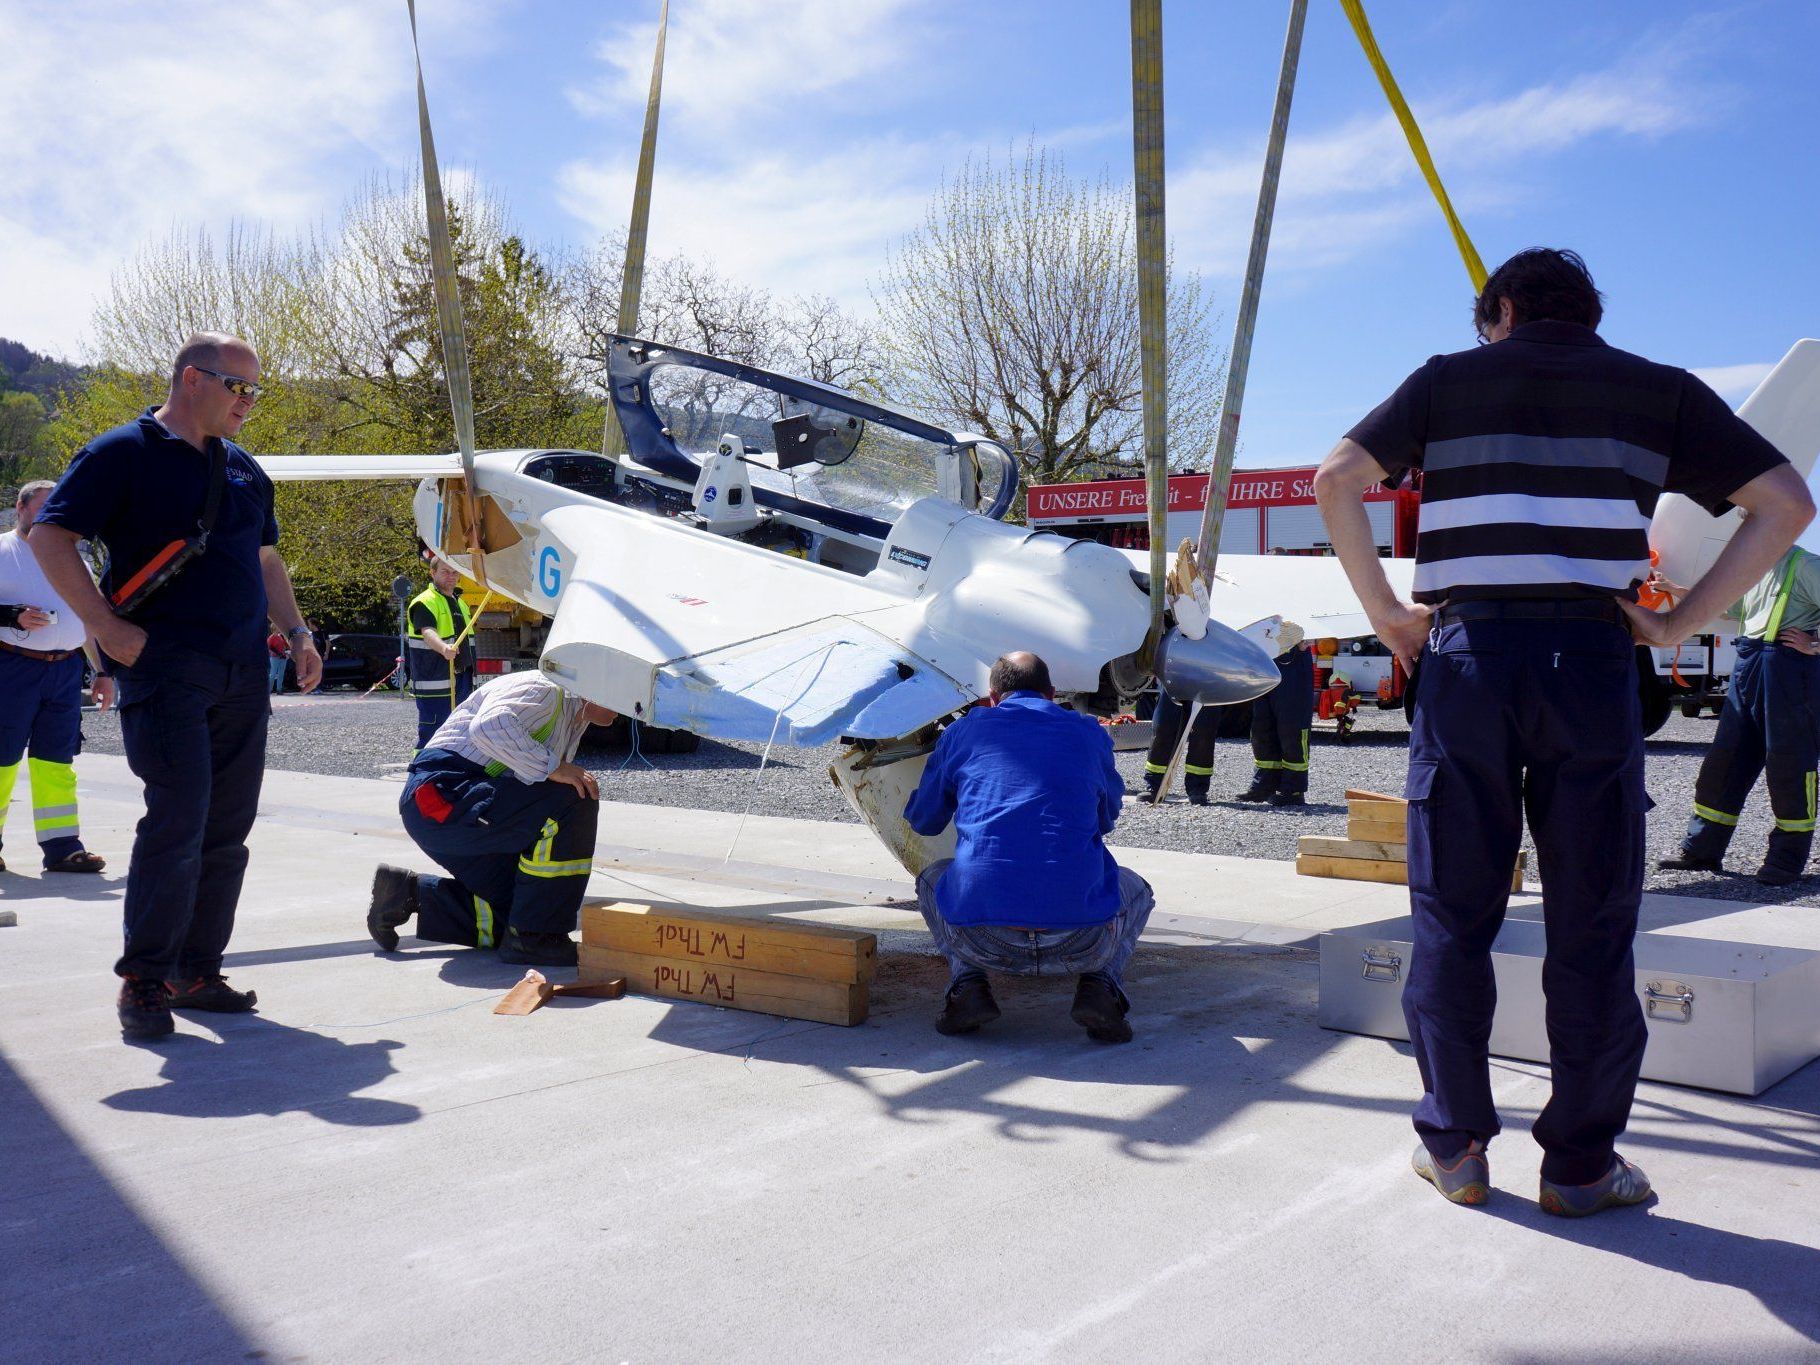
(1339, 488)
(63, 565)
(1777, 508)
(281, 604)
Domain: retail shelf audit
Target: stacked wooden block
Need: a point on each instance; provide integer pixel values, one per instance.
(792, 968)
(1375, 846)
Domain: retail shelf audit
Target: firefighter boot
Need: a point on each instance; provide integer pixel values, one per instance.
(1702, 847)
(394, 902)
(1786, 859)
(1263, 786)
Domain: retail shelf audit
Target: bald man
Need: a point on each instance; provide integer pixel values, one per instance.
(185, 632)
(1031, 889)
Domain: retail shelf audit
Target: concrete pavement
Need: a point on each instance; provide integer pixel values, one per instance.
(375, 1168)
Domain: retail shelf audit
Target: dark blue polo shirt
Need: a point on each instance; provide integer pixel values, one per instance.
(1031, 788)
(137, 488)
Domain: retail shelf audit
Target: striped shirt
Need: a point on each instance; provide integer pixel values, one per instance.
(1542, 457)
(499, 727)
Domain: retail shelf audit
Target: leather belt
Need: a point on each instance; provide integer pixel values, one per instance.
(48, 656)
(1532, 609)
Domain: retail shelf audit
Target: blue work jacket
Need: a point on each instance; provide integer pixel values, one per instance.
(1031, 788)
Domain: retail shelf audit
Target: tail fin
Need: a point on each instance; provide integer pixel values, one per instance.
(1785, 408)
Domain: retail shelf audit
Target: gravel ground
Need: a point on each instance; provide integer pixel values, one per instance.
(353, 736)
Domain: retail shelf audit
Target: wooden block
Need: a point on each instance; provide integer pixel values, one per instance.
(1352, 869)
(1366, 797)
(1375, 869)
(819, 952)
(534, 992)
(1371, 827)
(1322, 846)
(740, 988)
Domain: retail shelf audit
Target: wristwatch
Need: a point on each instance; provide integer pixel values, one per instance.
(296, 631)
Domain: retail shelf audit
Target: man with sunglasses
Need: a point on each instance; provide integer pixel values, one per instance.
(190, 657)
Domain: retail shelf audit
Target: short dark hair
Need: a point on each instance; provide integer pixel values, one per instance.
(1541, 283)
(1020, 672)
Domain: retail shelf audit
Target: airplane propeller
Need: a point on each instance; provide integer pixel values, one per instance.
(632, 268)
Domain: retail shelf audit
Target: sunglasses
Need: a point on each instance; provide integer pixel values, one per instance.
(233, 383)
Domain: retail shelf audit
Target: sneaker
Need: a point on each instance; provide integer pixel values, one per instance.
(1466, 1181)
(531, 949)
(1100, 1008)
(967, 1005)
(394, 902)
(145, 1008)
(1255, 792)
(1623, 1184)
(1686, 862)
(211, 993)
(1288, 799)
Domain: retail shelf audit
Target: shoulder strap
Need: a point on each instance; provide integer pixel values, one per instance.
(211, 504)
(1788, 582)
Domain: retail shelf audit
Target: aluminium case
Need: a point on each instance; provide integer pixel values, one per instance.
(1736, 1017)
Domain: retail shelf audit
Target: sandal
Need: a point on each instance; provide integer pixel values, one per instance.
(79, 861)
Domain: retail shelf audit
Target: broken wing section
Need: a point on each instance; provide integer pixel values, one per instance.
(695, 632)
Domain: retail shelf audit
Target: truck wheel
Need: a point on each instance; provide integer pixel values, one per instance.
(1691, 709)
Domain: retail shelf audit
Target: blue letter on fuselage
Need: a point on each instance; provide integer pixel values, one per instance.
(549, 571)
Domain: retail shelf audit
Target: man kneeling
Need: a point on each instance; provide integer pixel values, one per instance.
(1031, 889)
(497, 799)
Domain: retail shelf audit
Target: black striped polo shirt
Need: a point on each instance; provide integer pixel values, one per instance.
(1542, 457)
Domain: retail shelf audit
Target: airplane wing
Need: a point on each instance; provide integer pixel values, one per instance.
(729, 640)
(1310, 590)
(1785, 408)
(294, 467)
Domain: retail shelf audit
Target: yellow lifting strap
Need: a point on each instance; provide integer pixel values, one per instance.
(1361, 26)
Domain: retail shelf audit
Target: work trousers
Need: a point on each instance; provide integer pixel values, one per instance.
(41, 716)
(434, 709)
(1770, 724)
(1523, 712)
(518, 853)
(1166, 733)
(1281, 721)
(1069, 951)
(194, 729)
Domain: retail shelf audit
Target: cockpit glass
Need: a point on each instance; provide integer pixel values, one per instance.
(797, 447)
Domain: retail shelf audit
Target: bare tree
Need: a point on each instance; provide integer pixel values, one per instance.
(1012, 311)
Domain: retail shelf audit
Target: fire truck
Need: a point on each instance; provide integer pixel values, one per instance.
(1273, 511)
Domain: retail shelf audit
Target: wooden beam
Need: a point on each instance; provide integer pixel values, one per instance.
(821, 952)
(739, 988)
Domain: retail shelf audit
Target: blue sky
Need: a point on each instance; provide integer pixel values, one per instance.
(1669, 142)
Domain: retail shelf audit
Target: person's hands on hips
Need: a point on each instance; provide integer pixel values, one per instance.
(1404, 628)
(33, 618)
(121, 641)
(579, 778)
(1659, 629)
(1802, 641)
(105, 691)
(308, 664)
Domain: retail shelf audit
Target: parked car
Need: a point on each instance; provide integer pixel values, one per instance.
(353, 660)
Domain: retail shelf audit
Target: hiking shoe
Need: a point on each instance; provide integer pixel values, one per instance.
(531, 949)
(1466, 1181)
(1100, 1008)
(1770, 875)
(1686, 862)
(211, 993)
(1622, 1184)
(394, 902)
(968, 1004)
(145, 1008)
(1288, 799)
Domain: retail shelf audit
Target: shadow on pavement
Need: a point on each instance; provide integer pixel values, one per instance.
(80, 1265)
(1783, 1276)
(256, 1066)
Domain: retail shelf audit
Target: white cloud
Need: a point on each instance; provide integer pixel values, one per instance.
(124, 121)
(1347, 189)
(727, 62)
(1734, 383)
